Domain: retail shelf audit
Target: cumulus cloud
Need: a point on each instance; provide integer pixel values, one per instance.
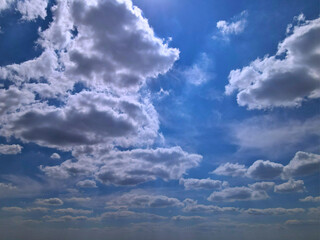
(290, 186)
(262, 186)
(10, 149)
(286, 79)
(32, 9)
(49, 201)
(55, 156)
(235, 27)
(310, 199)
(78, 199)
(237, 194)
(230, 169)
(143, 200)
(302, 164)
(193, 206)
(274, 211)
(264, 170)
(5, 4)
(141, 165)
(193, 183)
(188, 218)
(87, 184)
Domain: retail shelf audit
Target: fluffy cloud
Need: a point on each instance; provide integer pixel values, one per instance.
(87, 184)
(264, 170)
(139, 165)
(274, 211)
(193, 206)
(5, 4)
(50, 201)
(262, 186)
(290, 186)
(143, 200)
(32, 9)
(193, 183)
(235, 27)
(310, 199)
(231, 169)
(237, 194)
(10, 149)
(285, 79)
(55, 156)
(302, 164)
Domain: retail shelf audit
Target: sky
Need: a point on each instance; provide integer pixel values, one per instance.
(159, 119)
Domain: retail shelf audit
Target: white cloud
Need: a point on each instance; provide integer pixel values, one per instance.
(290, 186)
(261, 169)
(274, 211)
(278, 81)
(230, 169)
(193, 206)
(130, 215)
(199, 73)
(237, 194)
(262, 186)
(235, 27)
(32, 9)
(5, 4)
(10, 149)
(272, 135)
(49, 201)
(310, 199)
(55, 156)
(138, 199)
(193, 183)
(188, 218)
(24, 210)
(78, 199)
(87, 184)
(302, 164)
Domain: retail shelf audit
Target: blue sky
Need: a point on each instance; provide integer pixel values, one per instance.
(163, 119)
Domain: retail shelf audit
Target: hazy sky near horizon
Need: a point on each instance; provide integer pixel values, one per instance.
(159, 119)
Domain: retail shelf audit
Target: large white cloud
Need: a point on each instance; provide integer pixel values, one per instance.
(285, 79)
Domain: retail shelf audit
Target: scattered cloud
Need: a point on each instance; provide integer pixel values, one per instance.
(199, 73)
(262, 186)
(55, 156)
(87, 184)
(10, 149)
(18, 210)
(230, 169)
(193, 206)
(32, 9)
(49, 201)
(261, 169)
(237, 194)
(143, 200)
(274, 211)
(302, 164)
(278, 81)
(310, 199)
(234, 27)
(290, 186)
(193, 183)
